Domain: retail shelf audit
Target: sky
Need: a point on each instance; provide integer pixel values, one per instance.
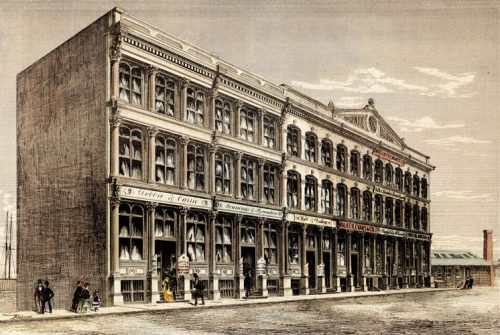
(432, 68)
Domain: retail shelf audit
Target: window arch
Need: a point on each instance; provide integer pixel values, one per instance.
(389, 174)
(247, 124)
(165, 160)
(131, 227)
(354, 164)
(326, 196)
(379, 166)
(389, 210)
(424, 187)
(223, 116)
(416, 217)
(165, 219)
(398, 213)
(367, 206)
(407, 215)
(292, 189)
(341, 200)
(424, 219)
(354, 203)
(248, 178)
(195, 106)
(293, 141)
(310, 147)
(399, 179)
(367, 167)
(196, 167)
(223, 172)
(379, 201)
(310, 193)
(130, 83)
(341, 158)
(130, 152)
(164, 95)
(407, 182)
(326, 152)
(416, 185)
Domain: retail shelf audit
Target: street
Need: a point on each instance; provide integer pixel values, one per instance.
(474, 311)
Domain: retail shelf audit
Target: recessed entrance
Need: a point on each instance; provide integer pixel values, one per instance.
(311, 264)
(166, 256)
(355, 269)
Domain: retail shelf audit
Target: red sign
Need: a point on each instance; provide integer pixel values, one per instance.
(386, 155)
(357, 227)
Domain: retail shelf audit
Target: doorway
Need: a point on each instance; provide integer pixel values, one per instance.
(326, 261)
(166, 257)
(355, 270)
(248, 255)
(311, 264)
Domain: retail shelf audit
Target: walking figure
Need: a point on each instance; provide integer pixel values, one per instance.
(84, 304)
(37, 296)
(47, 295)
(96, 301)
(198, 289)
(247, 283)
(76, 295)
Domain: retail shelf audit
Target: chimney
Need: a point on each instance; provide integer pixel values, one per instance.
(488, 246)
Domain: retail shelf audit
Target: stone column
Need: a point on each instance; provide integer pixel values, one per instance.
(237, 108)
(115, 122)
(362, 261)
(214, 291)
(185, 287)
(335, 269)
(239, 288)
(279, 134)
(211, 110)
(260, 125)
(385, 284)
(117, 298)
(285, 279)
(237, 156)
(302, 192)
(283, 195)
(213, 149)
(406, 269)
(260, 194)
(350, 279)
(321, 279)
(304, 279)
(261, 277)
(115, 57)
(183, 159)
(151, 72)
(152, 131)
(397, 261)
(150, 243)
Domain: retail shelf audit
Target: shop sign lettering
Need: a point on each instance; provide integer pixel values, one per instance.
(164, 197)
(183, 265)
(388, 192)
(357, 227)
(306, 219)
(248, 210)
(399, 233)
(390, 157)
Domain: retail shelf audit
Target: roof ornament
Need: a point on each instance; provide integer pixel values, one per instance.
(371, 104)
(331, 106)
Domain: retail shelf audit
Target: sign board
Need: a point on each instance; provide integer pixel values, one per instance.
(183, 265)
(400, 233)
(321, 270)
(357, 227)
(307, 219)
(390, 157)
(230, 207)
(163, 197)
(261, 267)
(388, 192)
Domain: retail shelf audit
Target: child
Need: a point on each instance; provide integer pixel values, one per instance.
(96, 301)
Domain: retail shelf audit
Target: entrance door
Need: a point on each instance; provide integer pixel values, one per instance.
(390, 268)
(311, 263)
(166, 260)
(326, 261)
(248, 255)
(355, 269)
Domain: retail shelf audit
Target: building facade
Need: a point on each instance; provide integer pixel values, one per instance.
(140, 154)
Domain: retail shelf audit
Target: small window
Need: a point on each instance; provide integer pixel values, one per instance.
(247, 125)
(310, 148)
(326, 153)
(341, 158)
(223, 112)
(292, 141)
(164, 96)
(132, 290)
(269, 133)
(292, 189)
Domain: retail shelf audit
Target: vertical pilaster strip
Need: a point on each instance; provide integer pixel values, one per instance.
(182, 240)
(152, 132)
(237, 108)
(115, 122)
(261, 197)
(115, 248)
(213, 150)
(183, 158)
(183, 85)
(237, 156)
(260, 125)
(151, 71)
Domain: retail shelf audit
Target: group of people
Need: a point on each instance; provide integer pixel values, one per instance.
(83, 301)
(169, 286)
(42, 296)
(469, 282)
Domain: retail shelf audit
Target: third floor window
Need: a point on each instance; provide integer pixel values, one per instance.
(247, 125)
(269, 133)
(222, 116)
(130, 84)
(195, 106)
(164, 96)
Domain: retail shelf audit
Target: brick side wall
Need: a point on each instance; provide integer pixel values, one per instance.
(61, 134)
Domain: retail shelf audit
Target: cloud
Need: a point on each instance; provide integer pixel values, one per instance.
(463, 195)
(457, 139)
(452, 83)
(425, 122)
(349, 102)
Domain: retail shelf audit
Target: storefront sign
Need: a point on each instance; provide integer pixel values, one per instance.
(164, 197)
(357, 227)
(183, 265)
(390, 157)
(310, 220)
(248, 210)
(388, 192)
(400, 233)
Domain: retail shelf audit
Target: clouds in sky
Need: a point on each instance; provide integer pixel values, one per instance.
(373, 80)
(423, 123)
(463, 195)
(456, 139)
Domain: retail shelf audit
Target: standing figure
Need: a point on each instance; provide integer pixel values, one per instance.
(172, 283)
(165, 285)
(471, 282)
(198, 289)
(96, 301)
(47, 295)
(84, 302)
(37, 296)
(76, 295)
(247, 283)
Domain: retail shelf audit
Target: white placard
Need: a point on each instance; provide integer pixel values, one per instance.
(164, 197)
(230, 207)
(314, 220)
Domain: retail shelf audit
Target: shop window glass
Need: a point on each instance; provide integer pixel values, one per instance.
(195, 237)
(131, 227)
(293, 245)
(223, 240)
(164, 223)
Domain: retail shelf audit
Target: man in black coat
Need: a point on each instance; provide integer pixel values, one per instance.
(47, 295)
(198, 289)
(247, 283)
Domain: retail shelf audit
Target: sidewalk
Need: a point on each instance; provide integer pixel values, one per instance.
(158, 308)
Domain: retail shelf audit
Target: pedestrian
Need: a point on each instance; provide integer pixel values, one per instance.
(76, 295)
(198, 289)
(37, 296)
(247, 283)
(466, 284)
(96, 301)
(471, 282)
(167, 294)
(47, 295)
(172, 282)
(84, 303)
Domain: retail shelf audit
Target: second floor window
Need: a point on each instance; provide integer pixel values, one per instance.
(378, 208)
(195, 107)
(354, 203)
(423, 188)
(367, 167)
(326, 197)
(326, 153)
(248, 171)
(270, 173)
(195, 238)
(223, 238)
(310, 193)
(310, 149)
(341, 200)
(247, 125)
(416, 217)
(130, 84)
(165, 149)
(355, 163)
(407, 182)
(398, 213)
(399, 179)
(367, 206)
(389, 210)
(164, 96)
(388, 174)
(130, 151)
(292, 189)
(223, 173)
(341, 158)
(416, 185)
(407, 215)
(378, 171)
(269, 133)
(222, 116)
(423, 219)
(196, 167)
(292, 141)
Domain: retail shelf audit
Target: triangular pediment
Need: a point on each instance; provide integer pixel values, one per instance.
(370, 121)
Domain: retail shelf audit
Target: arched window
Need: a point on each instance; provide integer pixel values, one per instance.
(223, 112)
(416, 185)
(354, 203)
(130, 84)
(247, 233)
(310, 149)
(248, 179)
(389, 210)
(379, 201)
(399, 179)
(165, 149)
(269, 133)
(388, 174)
(165, 219)
(341, 200)
(270, 173)
(130, 153)
(293, 244)
(310, 193)
(223, 169)
(398, 213)
(341, 158)
(424, 187)
(416, 217)
(407, 182)
(379, 166)
(407, 215)
(195, 236)
(292, 189)
(355, 163)
(195, 108)
(326, 196)
(196, 167)
(223, 240)
(293, 141)
(270, 243)
(247, 124)
(131, 227)
(424, 219)
(367, 167)
(164, 95)
(326, 153)
(367, 206)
